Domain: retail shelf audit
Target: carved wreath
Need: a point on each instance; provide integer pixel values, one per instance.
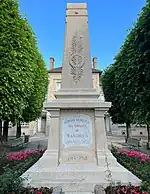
(76, 57)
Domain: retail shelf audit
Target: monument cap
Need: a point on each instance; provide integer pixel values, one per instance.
(76, 5)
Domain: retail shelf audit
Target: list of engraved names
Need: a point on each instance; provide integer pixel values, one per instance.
(77, 131)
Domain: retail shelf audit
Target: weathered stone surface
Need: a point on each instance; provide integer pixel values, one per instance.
(99, 189)
(76, 130)
(77, 70)
(57, 190)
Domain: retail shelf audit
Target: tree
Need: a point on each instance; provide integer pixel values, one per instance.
(1, 138)
(140, 68)
(35, 101)
(111, 93)
(134, 77)
(132, 72)
(18, 64)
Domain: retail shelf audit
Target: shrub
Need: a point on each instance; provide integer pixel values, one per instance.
(10, 182)
(136, 162)
(13, 166)
(130, 189)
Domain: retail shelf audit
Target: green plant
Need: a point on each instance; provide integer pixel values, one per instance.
(138, 167)
(10, 182)
(126, 82)
(23, 74)
(12, 167)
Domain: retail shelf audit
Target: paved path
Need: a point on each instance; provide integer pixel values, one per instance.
(40, 141)
(36, 142)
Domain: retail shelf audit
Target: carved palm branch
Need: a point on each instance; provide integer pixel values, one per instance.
(76, 59)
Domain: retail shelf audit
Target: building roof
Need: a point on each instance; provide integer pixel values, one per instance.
(59, 70)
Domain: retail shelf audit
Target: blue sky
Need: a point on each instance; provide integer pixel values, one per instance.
(109, 21)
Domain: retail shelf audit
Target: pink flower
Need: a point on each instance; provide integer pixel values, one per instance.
(135, 154)
(38, 192)
(22, 155)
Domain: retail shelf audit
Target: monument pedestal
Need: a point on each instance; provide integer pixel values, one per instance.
(76, 177)
(77, 127)
(67, 162)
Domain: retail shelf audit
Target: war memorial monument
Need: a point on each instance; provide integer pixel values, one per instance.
(77, 146)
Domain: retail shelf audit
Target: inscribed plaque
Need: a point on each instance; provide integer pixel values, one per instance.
(76, 131)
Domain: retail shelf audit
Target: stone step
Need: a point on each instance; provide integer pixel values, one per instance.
(67, 186)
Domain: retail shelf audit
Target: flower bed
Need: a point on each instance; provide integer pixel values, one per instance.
(20, 160)
(109, 190)
(124, 190)
(136, 162)
(135, 154)
(18, 156)
(13, 166)
(42, 190)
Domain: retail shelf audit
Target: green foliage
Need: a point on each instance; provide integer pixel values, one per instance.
(122, 189)
(23, 73)
(9, 182)
(133, 69)
(11, 170)
(111, 95)
(23, 165)
(140, 169)
(17, 61)
(35, 101)
(128, 79)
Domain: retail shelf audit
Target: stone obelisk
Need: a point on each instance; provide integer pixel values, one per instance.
(77, 69)
(77, 60)
(77, 145)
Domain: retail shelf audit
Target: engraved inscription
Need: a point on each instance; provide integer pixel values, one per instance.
(77, 131)
(77, 158)
(76, 58)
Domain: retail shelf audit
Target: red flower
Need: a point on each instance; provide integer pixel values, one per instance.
(22, 155)
(38, 192)
(136, 154)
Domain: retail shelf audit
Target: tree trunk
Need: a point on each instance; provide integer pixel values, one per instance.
(18, 132)
(128, 129)
(148, 139)
(1, 136)
(5, 131)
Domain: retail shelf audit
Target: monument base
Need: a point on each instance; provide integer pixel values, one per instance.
(80, 177)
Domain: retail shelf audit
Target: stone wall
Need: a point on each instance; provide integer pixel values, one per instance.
(120, 130)
(27, 128)
(53, 79)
